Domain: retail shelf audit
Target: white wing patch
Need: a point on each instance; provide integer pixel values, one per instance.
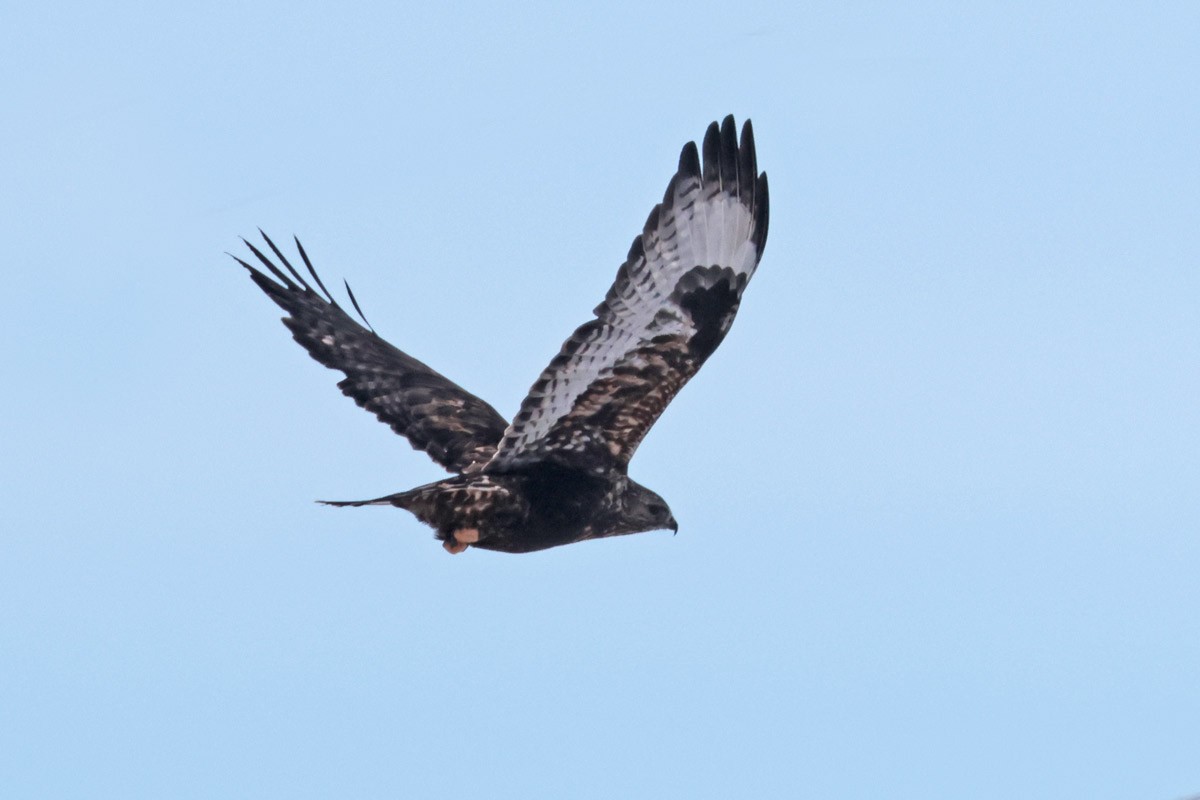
(711, 226)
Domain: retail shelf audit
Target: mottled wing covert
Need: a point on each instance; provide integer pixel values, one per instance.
(671, 305)
(457, 429)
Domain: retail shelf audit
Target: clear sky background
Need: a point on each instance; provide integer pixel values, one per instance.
(940, 526)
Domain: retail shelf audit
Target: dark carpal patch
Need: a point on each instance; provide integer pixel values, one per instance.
(711, 309)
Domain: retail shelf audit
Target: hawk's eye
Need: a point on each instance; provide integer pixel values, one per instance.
(656, 510)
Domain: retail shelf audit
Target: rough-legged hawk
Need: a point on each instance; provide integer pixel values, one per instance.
(557, 473)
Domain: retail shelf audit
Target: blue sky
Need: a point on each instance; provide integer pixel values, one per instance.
(940, 527)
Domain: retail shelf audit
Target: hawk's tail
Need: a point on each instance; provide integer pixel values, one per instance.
(400, 500)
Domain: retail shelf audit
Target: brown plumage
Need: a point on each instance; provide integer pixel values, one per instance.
(558, 473)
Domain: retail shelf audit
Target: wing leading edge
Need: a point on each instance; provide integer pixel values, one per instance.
(457, 429)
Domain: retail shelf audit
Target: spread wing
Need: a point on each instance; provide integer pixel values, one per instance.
(456, 428)
(671, 305)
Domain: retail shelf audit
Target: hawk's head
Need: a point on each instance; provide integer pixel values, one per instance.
(643, 510)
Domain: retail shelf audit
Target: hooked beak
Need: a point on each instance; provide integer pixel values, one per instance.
(673, 525)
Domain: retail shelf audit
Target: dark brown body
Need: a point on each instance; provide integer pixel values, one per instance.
(533, 508)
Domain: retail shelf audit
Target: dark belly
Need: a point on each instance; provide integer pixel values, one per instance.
(561, 506)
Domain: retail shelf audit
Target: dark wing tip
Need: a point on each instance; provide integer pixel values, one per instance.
(240, 261)
(689, 161)
(762, 202)
(729, 155)
(266, 262)
(312, 271)
(294, 283)
(748, 135)
(636, 250)
(747, 162)
(652, 220)
(712, 153)
(354, 301)
(279, 254)
(668, 200)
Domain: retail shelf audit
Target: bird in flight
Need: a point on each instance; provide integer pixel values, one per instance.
(558, 473)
